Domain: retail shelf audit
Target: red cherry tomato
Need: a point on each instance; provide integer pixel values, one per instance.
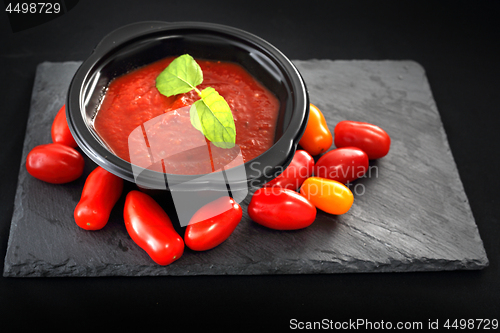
(60, 131)
(212, 224)
(281, 209)
(342, 164)
(100, 193)
(373, 140)
(317, 138)
(297, 171)
(55, 163)
(151, 229)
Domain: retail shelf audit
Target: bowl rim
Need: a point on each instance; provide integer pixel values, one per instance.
(286, 144)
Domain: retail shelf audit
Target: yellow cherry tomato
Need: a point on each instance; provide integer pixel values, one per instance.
(328, 195)
(317, 138)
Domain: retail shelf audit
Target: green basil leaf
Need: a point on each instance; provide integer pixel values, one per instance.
(212, 116)
(181, 76)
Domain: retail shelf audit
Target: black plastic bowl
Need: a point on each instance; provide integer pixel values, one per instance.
(139, 44)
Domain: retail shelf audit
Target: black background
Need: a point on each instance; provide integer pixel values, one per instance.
(457, 42)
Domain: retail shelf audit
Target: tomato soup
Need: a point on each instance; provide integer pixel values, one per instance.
(150, 130)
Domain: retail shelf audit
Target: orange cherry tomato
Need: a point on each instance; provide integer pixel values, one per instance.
(60, 130)
(317, 137)
(100, 193)
(328, 195)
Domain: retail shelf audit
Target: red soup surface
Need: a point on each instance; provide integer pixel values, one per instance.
(153, 131)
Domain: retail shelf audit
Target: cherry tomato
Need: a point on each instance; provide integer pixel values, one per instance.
(342, 164)
(212, 224)
(373, 140)
(151, 229)
(317, 137)
(297, 171)
(60, 131)
(281, 209)
(100, 193)
(328, 195)
(55, 163)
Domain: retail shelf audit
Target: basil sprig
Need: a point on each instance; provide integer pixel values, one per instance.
(211, 115)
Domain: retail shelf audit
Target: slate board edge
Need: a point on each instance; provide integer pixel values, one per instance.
(481, 263)
(270, 268)
(478, 263)
(17, 212)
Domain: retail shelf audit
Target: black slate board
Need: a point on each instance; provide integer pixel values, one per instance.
(410, 214)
